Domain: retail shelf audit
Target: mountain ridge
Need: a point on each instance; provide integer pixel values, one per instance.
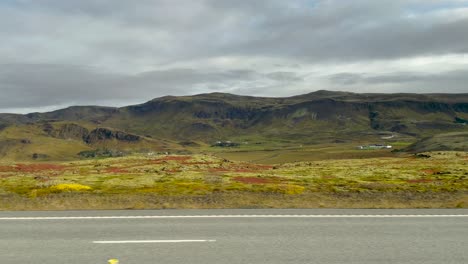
(444, 97)
(313, 118)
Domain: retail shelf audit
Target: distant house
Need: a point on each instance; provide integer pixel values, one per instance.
(374, 146)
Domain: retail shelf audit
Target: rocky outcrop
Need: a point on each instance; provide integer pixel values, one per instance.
(74, 131)
(100, 134)
(70, 131)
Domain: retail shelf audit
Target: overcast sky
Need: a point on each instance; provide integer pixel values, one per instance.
(57, 53)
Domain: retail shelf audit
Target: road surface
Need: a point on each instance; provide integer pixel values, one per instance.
(235, 236)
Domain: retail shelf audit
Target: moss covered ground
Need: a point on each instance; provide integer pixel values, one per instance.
(432, 180)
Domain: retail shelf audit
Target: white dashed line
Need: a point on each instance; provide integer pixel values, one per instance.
(150, 241)
(230, 216)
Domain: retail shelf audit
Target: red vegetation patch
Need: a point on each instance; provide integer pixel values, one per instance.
(39, 167)
(7, 169)
(251, 180)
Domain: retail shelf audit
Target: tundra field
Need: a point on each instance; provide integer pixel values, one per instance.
(426, 180)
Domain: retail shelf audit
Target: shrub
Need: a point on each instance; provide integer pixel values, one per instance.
(69, 187)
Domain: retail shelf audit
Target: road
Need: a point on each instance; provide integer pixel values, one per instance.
(235, 236)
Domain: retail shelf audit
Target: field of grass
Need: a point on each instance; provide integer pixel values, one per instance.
(439, 179)
(299, 153)
(322, 147)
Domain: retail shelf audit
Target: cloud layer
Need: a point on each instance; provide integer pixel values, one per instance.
(56, 53)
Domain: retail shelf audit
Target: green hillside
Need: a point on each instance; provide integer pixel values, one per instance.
(254, 123)
(448, 141)
(68, 141)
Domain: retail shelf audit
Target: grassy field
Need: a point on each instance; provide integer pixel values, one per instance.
(432, 180)
(301, 153)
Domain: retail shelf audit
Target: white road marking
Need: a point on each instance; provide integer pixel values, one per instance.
(230, 216)
(151, 241)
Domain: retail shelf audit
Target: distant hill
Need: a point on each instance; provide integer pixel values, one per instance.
(62, 140)
(322, 116)
(441, 142)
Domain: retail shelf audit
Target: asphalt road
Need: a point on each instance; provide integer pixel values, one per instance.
(235, 236)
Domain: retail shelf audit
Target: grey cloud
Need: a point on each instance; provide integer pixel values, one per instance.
(48, 44)
(450, 81)
(33, 85)
(357, 32)
(39, 85)
(346, 78)
(285, 76)
(311, 31)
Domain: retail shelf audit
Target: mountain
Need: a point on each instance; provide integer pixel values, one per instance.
(318, 117)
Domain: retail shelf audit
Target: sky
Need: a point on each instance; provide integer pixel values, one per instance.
(58, 53)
